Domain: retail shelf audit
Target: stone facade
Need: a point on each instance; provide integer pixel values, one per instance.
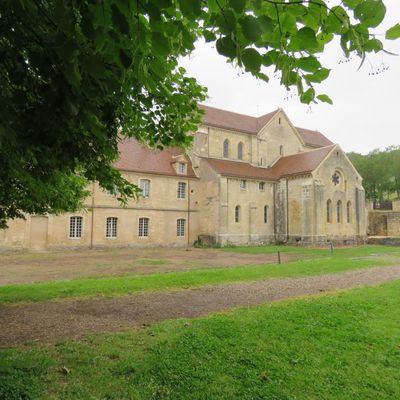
(276, 188)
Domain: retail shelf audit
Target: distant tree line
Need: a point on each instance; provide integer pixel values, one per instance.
(380, 170)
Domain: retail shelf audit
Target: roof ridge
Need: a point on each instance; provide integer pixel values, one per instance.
(238, 113)
(308, 151)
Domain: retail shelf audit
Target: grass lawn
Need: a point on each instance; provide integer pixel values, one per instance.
(343, 346)
(324, 262)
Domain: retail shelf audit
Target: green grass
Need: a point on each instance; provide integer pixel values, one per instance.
(321, 251)
(343, 346)
(341, 260)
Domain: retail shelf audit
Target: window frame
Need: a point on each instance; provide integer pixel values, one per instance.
(266, 211)
(339, 212)
(143, 229)
(179, 192)
(329, 211)
(348, 212)
(240, 148)
(237, 214)
(182, 171)
(243, 184)
(263, 186)
(181, 227)
(225, 148)
(77, 217)
(149, 187)
(112, 229)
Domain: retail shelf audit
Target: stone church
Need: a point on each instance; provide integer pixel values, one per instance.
(245, 180)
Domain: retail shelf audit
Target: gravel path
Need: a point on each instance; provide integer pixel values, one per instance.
(57, 320)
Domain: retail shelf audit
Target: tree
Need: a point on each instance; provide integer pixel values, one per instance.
(380, 171)
(74, 74)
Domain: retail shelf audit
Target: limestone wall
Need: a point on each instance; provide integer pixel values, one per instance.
(350, 225)
(251, 227)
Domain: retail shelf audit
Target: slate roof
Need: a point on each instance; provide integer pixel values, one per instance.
(136, 157)
(252, 125)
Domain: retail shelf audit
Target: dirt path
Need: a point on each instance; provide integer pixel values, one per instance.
(32, 267)
(58, 320)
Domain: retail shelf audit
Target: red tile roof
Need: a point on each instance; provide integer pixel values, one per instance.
(296, 164)
(137, 157)
(234, 121)
(245, 123)
(240, 169)
(313, 138)
(300, 163)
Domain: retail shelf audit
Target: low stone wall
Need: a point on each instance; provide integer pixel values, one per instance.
(384, 223)
(384, 240)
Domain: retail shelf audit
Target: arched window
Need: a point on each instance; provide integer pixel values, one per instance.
(339, 211)
(329, 211)
(281, 150)
(265, 214)
(226, 148)
(348, 213)
(240, 151)
(237, 213)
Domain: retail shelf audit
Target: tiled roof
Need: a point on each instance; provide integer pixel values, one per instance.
(136, 157)
(295, 164)
(240, 169)
(234, 121)
(300, 163)
(245, 123)
(313, 138)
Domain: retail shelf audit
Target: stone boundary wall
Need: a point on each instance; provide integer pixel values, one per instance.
(384, 223)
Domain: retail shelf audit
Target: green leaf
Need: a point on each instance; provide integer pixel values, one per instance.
(325, 98)
(308, 96)
(190, 9)
(393, 33)
(318, 76)
(371, 12)
(209, 36)
(266, 23)
(251, 59)
(251, 27)
(226, 46)
(305, 39)
(352, 3)
(373, 45)
(160, 44)
(288, 23)
(237, 5)
(309, 64)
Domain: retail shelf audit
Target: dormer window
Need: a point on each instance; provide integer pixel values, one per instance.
(182, 168)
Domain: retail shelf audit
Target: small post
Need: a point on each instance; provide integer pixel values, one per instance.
(279, 257)
(331, 247)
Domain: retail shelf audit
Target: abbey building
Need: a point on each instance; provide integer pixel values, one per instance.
(246, 180)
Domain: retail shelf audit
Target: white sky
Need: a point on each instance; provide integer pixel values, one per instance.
(366, 110)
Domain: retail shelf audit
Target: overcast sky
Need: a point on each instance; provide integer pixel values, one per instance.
(366, 110)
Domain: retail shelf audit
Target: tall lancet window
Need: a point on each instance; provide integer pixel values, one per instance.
(226, 148)
(240, 151)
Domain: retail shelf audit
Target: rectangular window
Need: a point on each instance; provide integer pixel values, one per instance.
(111, 227)
(180, 227)
(145, 187)
(182, 168)
(143, 227)
(261, 186)
(181, 190)
(243, 184)
(75, 227)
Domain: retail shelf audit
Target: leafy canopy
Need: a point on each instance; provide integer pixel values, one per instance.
(380, 170)
(77, 76)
